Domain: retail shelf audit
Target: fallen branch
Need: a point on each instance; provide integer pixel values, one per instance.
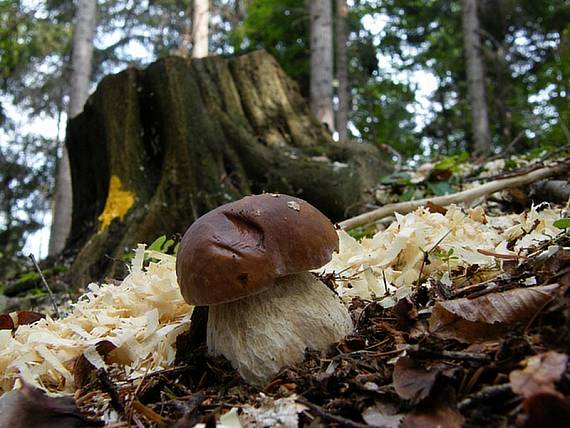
(466, 195)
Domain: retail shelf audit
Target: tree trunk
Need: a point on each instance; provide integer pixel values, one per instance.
(342, 70)
(564, 60)
(184, 45)
(83, 35)
(156, 148)
(503, 92)
(322, 61)
(476, 79)
(200, 18)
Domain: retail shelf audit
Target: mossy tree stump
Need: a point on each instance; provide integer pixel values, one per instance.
(184, 136)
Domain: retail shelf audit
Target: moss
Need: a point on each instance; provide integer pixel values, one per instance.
(186, 136)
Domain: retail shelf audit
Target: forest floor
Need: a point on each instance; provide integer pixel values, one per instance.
(456, 345)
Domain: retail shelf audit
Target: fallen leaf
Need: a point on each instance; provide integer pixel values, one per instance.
(540, 373)
(30, 407)
(546, 409)
(488, 316)
(382, 414)
(437, 412)
(14, 319)
(411, 381)
(435, 208)
(83, 370)
(6, 322)
(27, 317)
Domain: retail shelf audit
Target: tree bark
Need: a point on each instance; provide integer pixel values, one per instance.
(83, 35)
(184, 136)
(322, 61)
(200, 18)
(476, 79)
(342, 70)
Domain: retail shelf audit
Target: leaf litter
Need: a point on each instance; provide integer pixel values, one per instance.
(462, 319)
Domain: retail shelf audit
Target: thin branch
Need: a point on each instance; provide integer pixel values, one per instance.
(334, 418)
(466, 195)
(44, 282)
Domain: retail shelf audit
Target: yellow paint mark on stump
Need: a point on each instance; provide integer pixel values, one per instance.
(118, 203)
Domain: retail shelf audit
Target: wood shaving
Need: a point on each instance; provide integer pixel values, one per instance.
(142, 317)
(388, 264)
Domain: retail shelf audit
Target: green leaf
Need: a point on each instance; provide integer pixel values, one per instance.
(439, 188)
(157, 244)
(362, 232)
(563, 223)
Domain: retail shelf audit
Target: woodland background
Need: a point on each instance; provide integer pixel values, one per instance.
(498, 76)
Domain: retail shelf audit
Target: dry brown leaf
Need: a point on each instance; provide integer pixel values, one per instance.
(14, 319)
(435, 208)
(27, 317)
(6, 322)
(437, 412)
(540, 373)
(546, 409)
(411, 381)
(29, 407)
(83, 370)
(488, 316)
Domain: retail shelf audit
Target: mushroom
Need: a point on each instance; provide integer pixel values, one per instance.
(248, 261)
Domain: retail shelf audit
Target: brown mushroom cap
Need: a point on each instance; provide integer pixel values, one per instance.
(240, 248)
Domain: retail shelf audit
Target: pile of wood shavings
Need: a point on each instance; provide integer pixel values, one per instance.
(141, 317)
(391, 262)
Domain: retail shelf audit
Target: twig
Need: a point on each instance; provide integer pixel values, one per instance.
(452, 355)
(485, 394)
(55, 308)
(471, 194)
(110, 388)
(334, 418)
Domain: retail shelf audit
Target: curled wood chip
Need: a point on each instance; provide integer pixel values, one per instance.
(382, 414)
(141, 317)
(389, 264)
(283, 412)
(488, 316)
(540, 373)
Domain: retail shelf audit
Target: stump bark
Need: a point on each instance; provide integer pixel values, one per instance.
(184, 136)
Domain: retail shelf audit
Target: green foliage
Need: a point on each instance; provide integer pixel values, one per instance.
(162, 245)
(282, 28)
(563, 223)
(33, 41)
(399, 178)
(525, 51)
(26, 180)
(451, 163)
(361, 232)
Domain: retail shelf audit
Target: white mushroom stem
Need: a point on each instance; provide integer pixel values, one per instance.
(263, 333)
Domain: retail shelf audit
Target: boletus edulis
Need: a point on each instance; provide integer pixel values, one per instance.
(249, 261)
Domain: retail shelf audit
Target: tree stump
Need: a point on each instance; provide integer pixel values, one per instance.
(156, 148)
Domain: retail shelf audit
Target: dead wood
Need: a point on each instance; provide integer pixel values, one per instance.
(459, 197)
(154, 149)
